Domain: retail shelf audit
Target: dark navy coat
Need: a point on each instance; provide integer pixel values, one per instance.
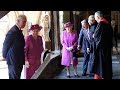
(13, 47)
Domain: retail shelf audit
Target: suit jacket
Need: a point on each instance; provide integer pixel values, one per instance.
(90, 42)
(83, 39)
(13, 47)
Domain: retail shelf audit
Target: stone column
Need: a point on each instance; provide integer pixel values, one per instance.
(46, 30)
(56, 30)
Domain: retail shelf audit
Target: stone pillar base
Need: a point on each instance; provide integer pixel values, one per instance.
(48, 45)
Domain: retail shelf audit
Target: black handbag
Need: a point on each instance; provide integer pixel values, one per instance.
(77, 54)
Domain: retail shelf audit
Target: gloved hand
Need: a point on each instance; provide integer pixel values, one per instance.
(71, 48)
(68, 48)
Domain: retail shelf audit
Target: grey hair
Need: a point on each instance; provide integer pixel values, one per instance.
(84, 21)
(21, 17)
(99, 14)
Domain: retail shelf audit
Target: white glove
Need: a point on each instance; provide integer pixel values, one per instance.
(71, 48)
(68, 48)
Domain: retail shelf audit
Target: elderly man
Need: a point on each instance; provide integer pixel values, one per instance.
(92, 26)
(92, 23)
(13, 48)
(84, 43)
(102, 67)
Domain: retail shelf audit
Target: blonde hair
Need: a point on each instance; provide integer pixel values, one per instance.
(91, 17)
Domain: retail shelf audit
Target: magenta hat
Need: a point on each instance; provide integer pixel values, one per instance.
(68, 24)
(36, 26)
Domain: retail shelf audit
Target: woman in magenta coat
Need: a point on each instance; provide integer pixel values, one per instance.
(33, 50)
(69, 42)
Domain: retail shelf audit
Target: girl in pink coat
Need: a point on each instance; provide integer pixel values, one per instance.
(69, 41)
(33, 50)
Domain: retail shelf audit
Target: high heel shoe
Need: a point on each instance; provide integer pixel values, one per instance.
(68, 76)
(77, 76)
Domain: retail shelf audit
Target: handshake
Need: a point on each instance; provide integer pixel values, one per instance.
(69, 48)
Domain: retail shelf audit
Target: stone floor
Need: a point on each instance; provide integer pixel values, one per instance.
(4, 71)
(115, 65)
(62, 75)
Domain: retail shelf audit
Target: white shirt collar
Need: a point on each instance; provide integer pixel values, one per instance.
(18, 27)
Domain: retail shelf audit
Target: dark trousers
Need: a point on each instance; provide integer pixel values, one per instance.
(15, 71)
(90, 63)
(87, 62)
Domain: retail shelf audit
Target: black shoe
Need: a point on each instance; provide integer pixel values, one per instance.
(77, 76)
(83, 74)
(68, 76)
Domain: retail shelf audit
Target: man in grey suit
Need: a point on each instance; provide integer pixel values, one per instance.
(83, 43)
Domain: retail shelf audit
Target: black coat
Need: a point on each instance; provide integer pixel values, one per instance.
(13, 47)
(102, 64)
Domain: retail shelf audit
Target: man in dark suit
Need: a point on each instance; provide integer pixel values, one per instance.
(92, 26)
(13, 48)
